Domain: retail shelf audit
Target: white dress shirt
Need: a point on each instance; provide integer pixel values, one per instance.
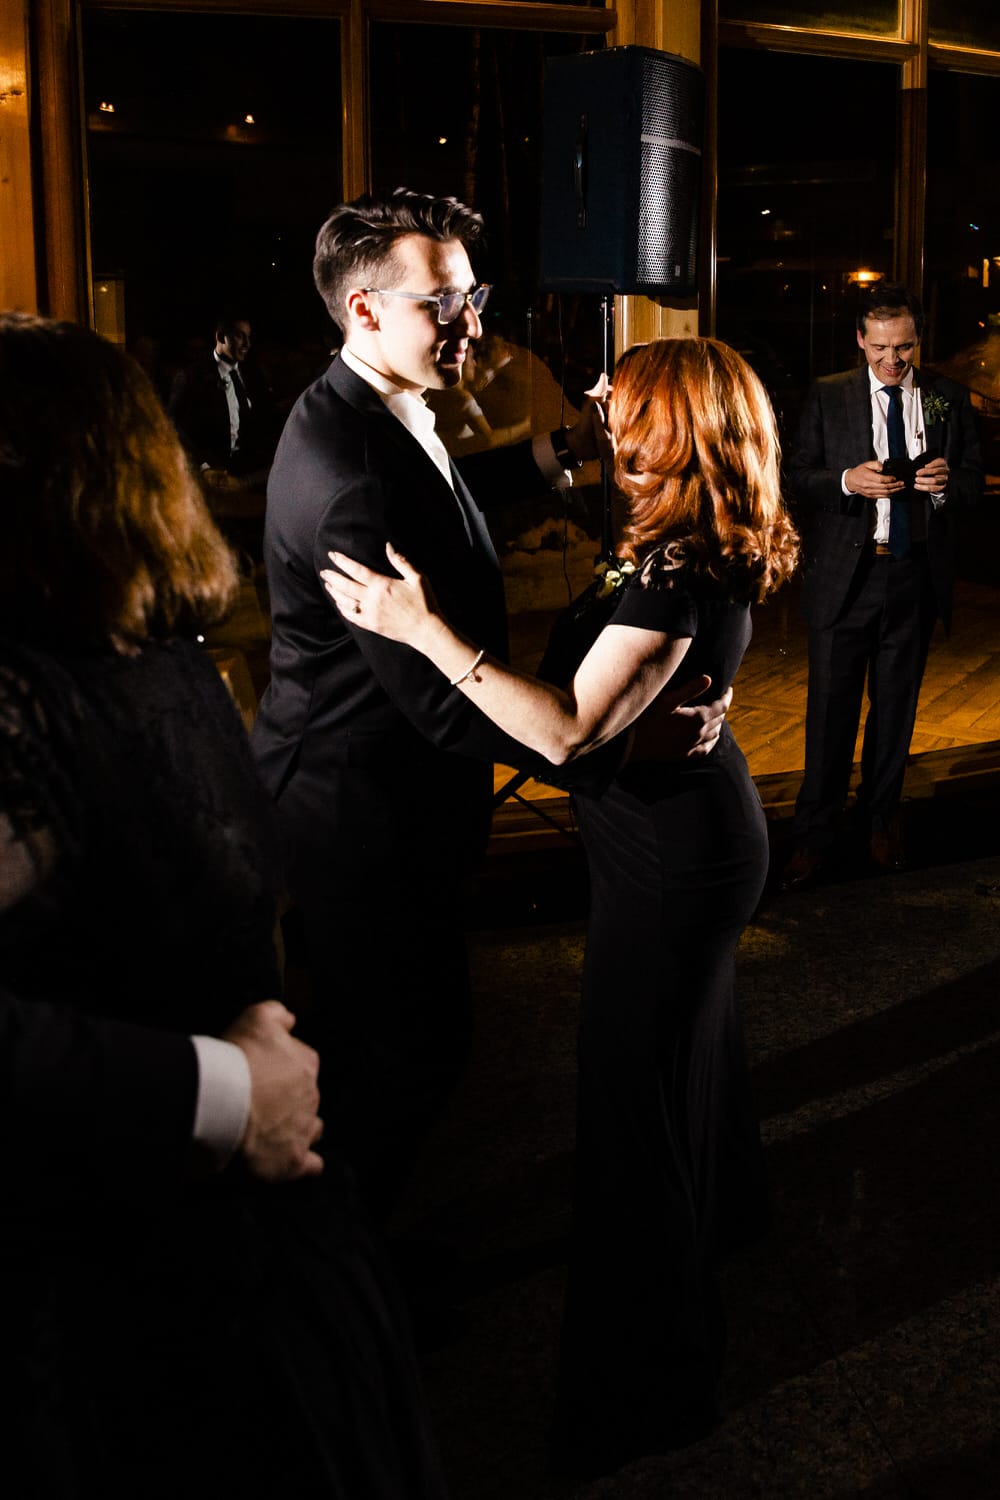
(227, 374)
(222, 1107)
(416, 416)
(916, 441)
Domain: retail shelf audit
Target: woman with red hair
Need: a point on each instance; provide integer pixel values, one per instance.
(669, 1165)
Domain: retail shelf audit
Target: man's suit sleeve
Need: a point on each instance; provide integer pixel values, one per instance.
(967, 478)
(355, 523)
(85, 1099)
(183, 412)
(198, 411)
(815, 470)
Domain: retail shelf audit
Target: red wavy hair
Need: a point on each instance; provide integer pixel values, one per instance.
(697, 458)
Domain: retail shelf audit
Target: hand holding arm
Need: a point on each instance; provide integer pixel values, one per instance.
(622, 674)
(588, 437)
(283, 1125)
(672, 728)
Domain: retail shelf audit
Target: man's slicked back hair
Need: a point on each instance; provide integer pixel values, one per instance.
(355, 245)
(888, 299)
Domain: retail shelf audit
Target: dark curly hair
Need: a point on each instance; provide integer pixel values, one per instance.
(355, 245)
(106, 536)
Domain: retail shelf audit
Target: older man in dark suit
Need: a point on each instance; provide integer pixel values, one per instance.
(883, 460)
(381, 771)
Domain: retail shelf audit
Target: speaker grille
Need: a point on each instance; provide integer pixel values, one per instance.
(629, 221)
(667, 231)
(671, 100)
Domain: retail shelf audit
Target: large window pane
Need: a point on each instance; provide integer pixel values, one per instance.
(962, 278)
(214, 153)
(804, 210)
(480, 138)
(965, 23)
(877, 17)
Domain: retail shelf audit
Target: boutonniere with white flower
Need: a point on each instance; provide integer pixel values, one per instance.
(935, 407)
(610, 575)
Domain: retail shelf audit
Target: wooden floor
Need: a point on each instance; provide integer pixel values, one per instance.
(957, 734)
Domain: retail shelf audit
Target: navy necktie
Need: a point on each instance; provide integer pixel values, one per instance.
(899, 510)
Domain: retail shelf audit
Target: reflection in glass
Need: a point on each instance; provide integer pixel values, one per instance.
(210, 170)
(481, 140)
(805, 213)
(875, 17)
(965, 23)
(962, 277)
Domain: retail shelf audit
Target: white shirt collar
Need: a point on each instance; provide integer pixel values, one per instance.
(381, 383)
(409, 407)
(874, 384)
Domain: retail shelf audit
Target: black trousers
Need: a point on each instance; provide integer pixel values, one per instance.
(882, 634)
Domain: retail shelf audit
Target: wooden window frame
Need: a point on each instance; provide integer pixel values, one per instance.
(45, 161)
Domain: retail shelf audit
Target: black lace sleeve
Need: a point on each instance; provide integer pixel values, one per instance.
(140, 861)
(659, 597)
(39, 806)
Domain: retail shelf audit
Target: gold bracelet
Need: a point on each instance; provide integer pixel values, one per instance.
(470, 671)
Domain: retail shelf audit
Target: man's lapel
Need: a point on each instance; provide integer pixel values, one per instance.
(936, 432)
(859, 414)
(421, 470)
(475, 521)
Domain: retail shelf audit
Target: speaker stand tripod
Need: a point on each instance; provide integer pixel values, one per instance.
(511, 787)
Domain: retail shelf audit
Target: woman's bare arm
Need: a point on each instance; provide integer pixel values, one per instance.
(624, 672)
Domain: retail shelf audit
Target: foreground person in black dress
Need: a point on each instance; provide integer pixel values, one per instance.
(168, 1330)
(669, 1166)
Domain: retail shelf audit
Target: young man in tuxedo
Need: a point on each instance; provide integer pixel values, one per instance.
(879, 536)
(382, 773)
(222, 409)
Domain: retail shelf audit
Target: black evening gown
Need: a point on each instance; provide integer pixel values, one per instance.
(175, 1336)
(669, 1169)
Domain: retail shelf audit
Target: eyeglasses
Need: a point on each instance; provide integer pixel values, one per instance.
(450, 305)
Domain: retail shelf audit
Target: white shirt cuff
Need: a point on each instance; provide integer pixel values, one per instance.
(223, 1107)
(544, 455)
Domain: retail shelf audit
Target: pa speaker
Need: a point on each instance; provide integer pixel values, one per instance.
(621, 172)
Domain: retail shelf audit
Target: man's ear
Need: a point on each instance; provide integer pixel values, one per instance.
(361, 309)
(861, 339)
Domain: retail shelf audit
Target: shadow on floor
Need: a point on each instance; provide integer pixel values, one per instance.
(864, 1357)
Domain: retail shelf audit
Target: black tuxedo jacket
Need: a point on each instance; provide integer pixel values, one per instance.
(200, 411)
(86, 1101)
(371, 755)
(835, 433)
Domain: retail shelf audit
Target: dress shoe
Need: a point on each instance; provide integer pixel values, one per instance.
(803, 867)
(886, 848)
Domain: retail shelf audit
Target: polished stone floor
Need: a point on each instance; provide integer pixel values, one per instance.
(864, 1354)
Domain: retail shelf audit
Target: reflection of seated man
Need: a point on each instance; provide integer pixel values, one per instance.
(223, 411)
(506, 394)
